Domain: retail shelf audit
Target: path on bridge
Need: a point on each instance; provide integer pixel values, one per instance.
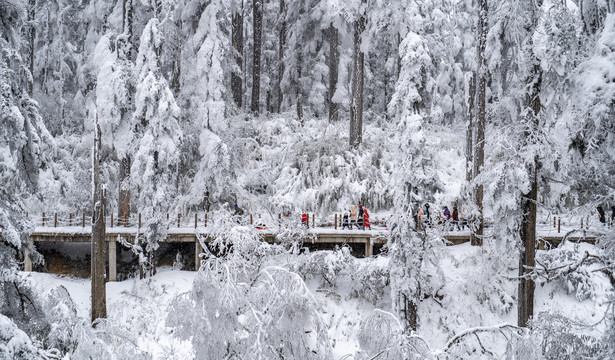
(64, 228)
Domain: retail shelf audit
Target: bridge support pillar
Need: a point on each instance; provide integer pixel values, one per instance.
(369, 248)
(112, 261)
(198, 249)
(27, 263)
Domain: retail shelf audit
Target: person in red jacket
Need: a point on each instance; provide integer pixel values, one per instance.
(366, 219)
(304, 219)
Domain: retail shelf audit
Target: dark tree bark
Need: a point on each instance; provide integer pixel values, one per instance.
(282, 45)
(334, 61)
(236, 76)
(356, 104)
(476, 237)
(527, 231)
(470, 128)
(126, 55)
(127, 12)
(257, 14)
(31, 37)
(99, 302)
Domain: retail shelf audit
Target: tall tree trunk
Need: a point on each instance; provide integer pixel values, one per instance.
(127, 12)
(99, 302)
(527, 231)
(356, 104)
(123, 211)
(282, 45)
(236, 76)
(257, 14)
(299, 90)
(124, 180)
(470, 128)
(31, 37)
(334, 61)
(476, 237)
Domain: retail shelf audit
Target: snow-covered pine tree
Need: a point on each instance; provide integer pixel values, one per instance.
(414, 254)
(155, 142)
(207, 93)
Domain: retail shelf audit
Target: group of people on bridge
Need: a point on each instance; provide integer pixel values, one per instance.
(356, 218)
(602, 215)
(449, 219)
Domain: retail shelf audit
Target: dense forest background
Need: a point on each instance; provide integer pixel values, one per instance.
(285, 106)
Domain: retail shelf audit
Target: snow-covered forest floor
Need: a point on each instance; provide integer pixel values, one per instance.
(477, 291)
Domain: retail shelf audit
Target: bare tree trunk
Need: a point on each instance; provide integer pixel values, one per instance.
(476, 237)
(99, 302)
(236, 76)
(282, 44)
(470, 128)
(123, 211)
(334, 61)
(31, 37)
(257, 13)
(124, 180)
(299, 91)
(356, 104)
(527, 231)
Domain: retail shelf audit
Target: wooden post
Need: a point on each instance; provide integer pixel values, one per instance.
(369, 248)
(279, 219)
(83, 220)
(206, 219)
(26, 214)
(179, 217)
(111, 219)
(27, 263)
(307, 220)
(55, 220)
(125, 220)
(554, 222)
(559, 225)
(250, 219)
(335, 222)
(112, 260)
(70, 219)
(198, 249)
(313, 220)
(139, 220)
(43, 219)
(195, 220)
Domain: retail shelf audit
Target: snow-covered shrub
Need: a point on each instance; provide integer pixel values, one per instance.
(382, 337)
(61, 313)
(15, 344)
(106, 341)
(330, 265)
(570, 268)
(559, 340)
(21, 303)
(272, 316)
(366, 279)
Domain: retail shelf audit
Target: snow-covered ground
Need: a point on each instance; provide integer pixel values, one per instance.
(473, 294)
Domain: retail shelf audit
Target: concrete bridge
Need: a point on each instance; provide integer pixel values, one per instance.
(75, 229)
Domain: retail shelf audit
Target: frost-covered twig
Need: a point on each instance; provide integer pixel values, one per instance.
(477, 329)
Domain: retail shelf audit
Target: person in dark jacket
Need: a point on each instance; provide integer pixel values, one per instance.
(601, 215)
(456, 218)
(345, 223)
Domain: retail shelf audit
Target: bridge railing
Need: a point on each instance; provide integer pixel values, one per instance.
(192, 220)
